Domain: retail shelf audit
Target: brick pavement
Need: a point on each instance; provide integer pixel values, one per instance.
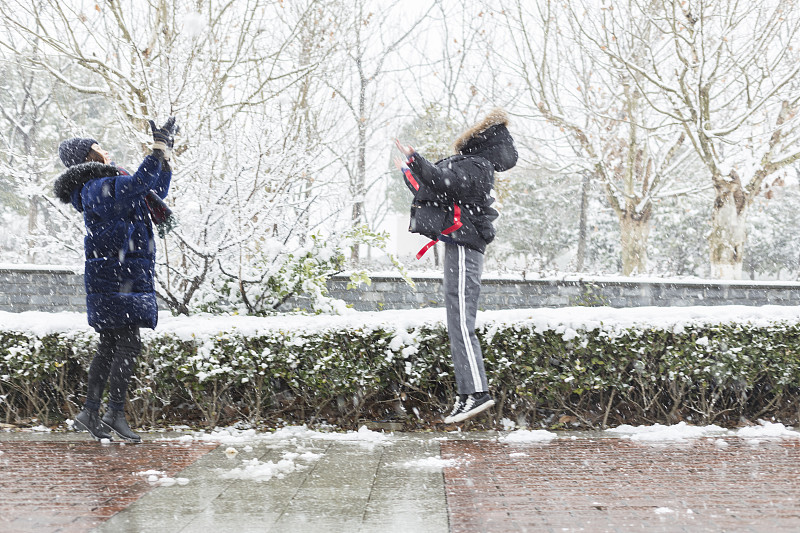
(74, 486)
(618, 485)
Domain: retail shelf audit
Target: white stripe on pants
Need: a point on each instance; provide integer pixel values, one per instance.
(462, 288)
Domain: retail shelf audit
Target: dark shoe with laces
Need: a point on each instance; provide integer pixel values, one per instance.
(115, 421)
(473, 405)
(90, 421)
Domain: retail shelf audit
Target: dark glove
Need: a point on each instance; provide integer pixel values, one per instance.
(164, 138)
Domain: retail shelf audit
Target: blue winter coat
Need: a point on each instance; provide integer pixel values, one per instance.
(119, 244)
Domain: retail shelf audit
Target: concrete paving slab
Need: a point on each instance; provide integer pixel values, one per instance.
(350, 487)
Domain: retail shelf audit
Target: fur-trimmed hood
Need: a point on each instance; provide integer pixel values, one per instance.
(79, 175)
(491, 140)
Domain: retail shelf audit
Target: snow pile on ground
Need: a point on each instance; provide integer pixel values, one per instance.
(158, 478)
(285, 435)
(660, 433)
(231, 452)
(767, 430)
(682, 432)
(255, 470)
(432, 464)
(525, 435)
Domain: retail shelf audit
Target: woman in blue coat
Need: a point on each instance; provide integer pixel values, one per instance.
(120, 264)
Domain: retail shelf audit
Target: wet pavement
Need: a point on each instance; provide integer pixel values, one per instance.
(298, 480)
(618, 485)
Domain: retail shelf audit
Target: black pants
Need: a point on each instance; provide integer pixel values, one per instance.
(113, 364)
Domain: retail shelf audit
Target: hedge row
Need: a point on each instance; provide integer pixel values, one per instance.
(594, 378)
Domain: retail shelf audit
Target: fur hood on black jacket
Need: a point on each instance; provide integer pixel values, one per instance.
(491, 140)
(75, 177)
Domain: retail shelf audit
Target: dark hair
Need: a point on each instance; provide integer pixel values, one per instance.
(94, 155)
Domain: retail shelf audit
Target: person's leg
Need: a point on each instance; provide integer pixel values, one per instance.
(462, 287)
(99, 370)
(128, 349)
(89, 418)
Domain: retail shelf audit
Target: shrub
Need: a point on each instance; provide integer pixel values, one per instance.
(541, 376)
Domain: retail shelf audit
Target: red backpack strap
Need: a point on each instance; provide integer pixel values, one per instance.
(456, 220)
(456, 224)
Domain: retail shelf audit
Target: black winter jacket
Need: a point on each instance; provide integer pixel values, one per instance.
(453, 197)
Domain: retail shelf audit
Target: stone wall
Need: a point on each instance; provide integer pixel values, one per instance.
(393, 293)
(29, 288)
(33, 288)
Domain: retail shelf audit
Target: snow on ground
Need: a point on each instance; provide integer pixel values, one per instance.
(767, 430)
(160, 479)
(660, 433)
(255, 470)
(524, 436)
(288, 435)
(682, 432)
(295, 437)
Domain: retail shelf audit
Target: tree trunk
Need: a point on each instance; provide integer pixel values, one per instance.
(634, 231)
(33, 225)
(359, 186)
(583, 234)
(728, 230)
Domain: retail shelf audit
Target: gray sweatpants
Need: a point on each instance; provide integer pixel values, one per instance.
(462, 286)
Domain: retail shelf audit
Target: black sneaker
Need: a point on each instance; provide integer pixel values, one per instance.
(474, 404)
(457, 407)
(115, 421)
(90, 421)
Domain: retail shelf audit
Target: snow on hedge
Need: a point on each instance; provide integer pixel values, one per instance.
(592, 367)
(567, 320)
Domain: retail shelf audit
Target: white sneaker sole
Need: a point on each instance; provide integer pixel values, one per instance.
(464, 416)
(449, 419)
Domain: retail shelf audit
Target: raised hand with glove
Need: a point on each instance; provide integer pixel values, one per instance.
(163, 141)
(164, 138)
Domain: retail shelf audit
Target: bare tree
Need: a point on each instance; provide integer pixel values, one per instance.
(597, 107)
(31, 119)
(725, 73)
(369, 40)
(225, 69)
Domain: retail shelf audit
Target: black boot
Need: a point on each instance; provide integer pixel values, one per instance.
(90, 421)
(115, 421)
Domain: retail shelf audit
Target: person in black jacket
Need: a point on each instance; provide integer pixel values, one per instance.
(120, 263)
(453, 204)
